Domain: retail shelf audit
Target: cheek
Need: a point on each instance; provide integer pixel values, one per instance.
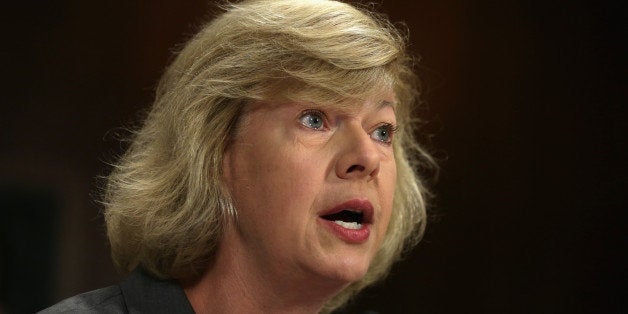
(273, 177)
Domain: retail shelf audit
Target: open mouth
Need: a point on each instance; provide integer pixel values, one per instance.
(350, 221)
(353, 215)
(347, 218)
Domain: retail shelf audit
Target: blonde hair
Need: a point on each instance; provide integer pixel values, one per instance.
(166, 205)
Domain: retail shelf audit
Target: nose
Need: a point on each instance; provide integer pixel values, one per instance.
(359, 157)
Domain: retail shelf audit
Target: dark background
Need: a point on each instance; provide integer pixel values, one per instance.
(524, 101)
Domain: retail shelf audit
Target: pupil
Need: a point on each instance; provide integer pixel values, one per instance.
(383, 135)
(314, 120)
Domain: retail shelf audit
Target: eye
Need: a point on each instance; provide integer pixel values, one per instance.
(312, 119)
(384, 133)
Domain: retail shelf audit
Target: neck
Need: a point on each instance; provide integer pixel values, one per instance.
(237, 283)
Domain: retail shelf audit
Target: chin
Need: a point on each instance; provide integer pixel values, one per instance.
(347, 269)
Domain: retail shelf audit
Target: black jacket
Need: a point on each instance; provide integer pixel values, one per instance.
(138, 293)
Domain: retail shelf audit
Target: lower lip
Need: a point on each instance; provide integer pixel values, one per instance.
(348, 235)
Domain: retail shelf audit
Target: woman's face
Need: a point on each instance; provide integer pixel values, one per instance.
(313, 187)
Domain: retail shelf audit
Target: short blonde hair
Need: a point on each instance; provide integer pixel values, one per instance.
(166, 204)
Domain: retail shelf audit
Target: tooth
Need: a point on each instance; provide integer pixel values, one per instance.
(349, 225)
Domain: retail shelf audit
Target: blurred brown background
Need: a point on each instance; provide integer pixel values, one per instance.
(524, 100)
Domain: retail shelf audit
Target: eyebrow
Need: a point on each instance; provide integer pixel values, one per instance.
(347, 107)
(386, 103)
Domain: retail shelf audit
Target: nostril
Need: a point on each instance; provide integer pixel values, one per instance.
(355, 168)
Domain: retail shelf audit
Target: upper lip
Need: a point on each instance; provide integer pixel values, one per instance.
(362, 205)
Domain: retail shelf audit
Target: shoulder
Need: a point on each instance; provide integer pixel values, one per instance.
(105, 300)
(140, 292)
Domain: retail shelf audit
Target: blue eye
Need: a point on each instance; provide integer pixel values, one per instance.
(313, 119)
(384, 133)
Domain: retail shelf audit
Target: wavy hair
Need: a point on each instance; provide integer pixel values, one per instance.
(166, 204)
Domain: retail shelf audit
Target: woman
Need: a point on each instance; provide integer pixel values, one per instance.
(274, 172)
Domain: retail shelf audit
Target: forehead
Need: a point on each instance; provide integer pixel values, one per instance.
(343, 93)
(357, 107)
(374, 102)
(354, 107)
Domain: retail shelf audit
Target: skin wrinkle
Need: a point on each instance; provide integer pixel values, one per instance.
(269, 145)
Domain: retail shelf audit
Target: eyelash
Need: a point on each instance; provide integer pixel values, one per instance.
(310, 112)
(389, 128)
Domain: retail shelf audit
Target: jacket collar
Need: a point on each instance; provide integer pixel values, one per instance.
(146, 294)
